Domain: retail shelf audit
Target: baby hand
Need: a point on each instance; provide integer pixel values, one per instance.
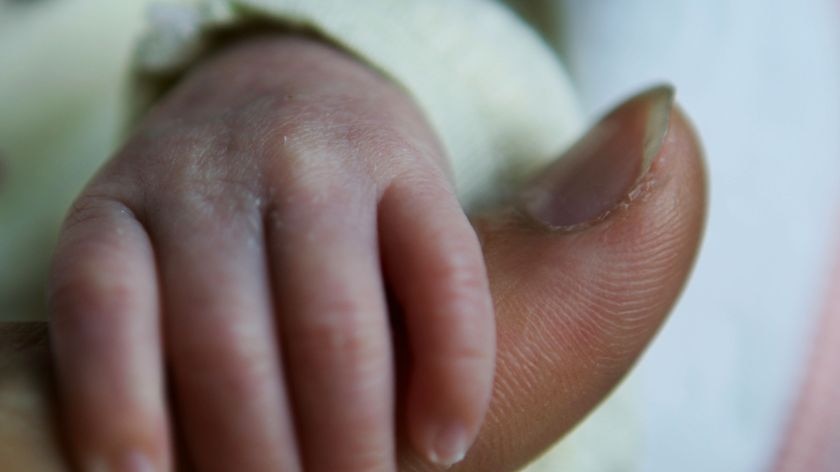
(237, 252)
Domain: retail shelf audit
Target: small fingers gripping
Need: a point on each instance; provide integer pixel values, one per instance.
(106, 340)
(335, 334)
(226, 369)
(434, 266)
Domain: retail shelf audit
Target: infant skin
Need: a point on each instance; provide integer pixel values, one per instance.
(257, 222)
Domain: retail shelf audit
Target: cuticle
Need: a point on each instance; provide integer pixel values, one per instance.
(638, 193)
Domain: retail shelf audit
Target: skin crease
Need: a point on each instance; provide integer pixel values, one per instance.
(574, 311)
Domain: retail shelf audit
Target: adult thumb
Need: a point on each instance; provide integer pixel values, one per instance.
(584, 267)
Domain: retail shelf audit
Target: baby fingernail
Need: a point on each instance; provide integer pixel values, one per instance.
(131, 462)
(136, 462)
(449, 445)
(603, 167)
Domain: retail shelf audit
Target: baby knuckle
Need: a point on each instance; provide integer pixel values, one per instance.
(212, 154)
(461, 272)
(244, 377)
(345, 330)
(93, 296)
(168, 148)
(280, 129)
(386, 144)
(207, 202)
(92, 207)
(468, 354)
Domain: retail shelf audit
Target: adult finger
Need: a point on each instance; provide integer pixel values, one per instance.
(583, 272)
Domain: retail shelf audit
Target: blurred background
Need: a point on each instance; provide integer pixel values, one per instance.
(760, 79)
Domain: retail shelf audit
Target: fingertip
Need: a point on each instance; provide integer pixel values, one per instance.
(684, 144)
(448, 444)
(444, 420)
(434, 266)
(132, 459)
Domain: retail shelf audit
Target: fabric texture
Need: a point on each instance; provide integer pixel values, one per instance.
(63, 69)
(492, 90)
